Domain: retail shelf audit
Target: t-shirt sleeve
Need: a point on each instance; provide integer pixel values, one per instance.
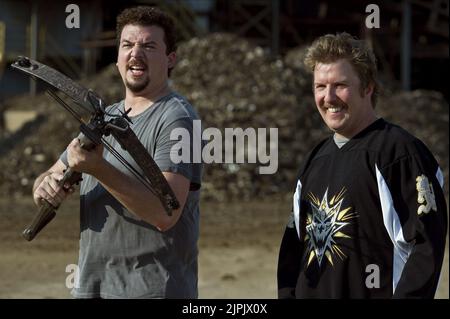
(175, 147)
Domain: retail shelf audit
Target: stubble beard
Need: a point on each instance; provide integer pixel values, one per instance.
(137, 86)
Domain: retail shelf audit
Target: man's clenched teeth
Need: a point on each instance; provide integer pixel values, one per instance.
(137, 68)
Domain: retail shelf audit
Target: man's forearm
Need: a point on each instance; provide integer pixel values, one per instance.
(135, 197)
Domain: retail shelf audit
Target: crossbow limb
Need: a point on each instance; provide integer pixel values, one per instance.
(92, 134)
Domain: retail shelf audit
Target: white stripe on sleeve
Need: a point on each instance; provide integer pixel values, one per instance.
(296, 199)
(402, 249)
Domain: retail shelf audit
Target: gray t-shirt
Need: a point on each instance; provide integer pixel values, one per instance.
(122, 256)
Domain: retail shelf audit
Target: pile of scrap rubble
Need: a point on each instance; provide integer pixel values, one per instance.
(232, 84)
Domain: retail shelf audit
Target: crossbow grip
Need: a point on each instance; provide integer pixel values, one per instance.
(47, 211)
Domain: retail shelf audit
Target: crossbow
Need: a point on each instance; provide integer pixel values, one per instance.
(92, 133)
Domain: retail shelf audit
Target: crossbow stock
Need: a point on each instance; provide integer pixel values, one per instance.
(92, 134)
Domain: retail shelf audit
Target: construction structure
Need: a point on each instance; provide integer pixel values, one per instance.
(411, 41)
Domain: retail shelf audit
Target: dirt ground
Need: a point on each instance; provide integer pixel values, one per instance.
(238, 250)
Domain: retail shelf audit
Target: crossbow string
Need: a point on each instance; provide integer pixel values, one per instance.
(93, 133)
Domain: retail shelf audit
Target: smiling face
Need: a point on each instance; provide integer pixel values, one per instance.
(344, 107)
(142, 59)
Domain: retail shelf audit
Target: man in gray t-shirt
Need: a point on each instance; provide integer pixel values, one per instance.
(129, 247)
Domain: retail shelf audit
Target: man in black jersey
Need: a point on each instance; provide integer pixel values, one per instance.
(369, 214)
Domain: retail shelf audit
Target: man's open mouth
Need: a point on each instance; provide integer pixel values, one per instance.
(137, 69)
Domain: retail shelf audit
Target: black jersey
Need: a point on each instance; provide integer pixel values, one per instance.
(369, 220)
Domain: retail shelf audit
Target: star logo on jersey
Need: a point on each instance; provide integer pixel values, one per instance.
(425, 195)
(324, 224)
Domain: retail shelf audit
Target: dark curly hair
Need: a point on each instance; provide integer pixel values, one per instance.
(147, 16)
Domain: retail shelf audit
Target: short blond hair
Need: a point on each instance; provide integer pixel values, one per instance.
(330, 48)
